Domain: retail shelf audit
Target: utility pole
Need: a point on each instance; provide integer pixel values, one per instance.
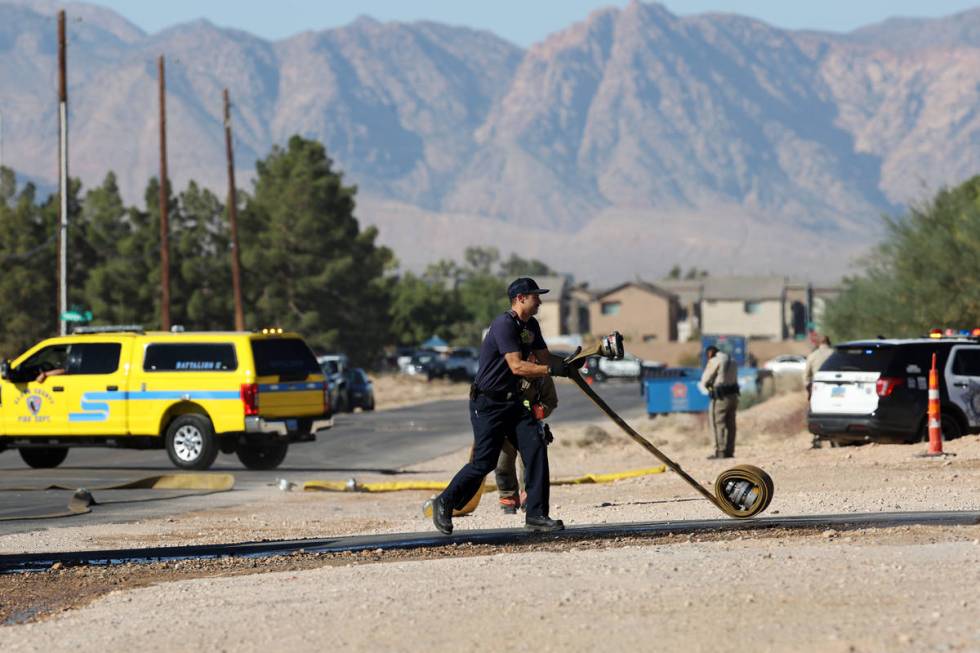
(164, 208)
(62, 175)
(236, 278)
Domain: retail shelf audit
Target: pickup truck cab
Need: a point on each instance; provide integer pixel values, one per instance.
(191, 393)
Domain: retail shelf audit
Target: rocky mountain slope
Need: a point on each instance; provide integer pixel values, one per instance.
(627, 142)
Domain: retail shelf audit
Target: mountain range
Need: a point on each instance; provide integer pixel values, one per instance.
(614, 148)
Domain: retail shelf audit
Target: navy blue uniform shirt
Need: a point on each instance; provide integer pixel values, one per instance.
(507, 334)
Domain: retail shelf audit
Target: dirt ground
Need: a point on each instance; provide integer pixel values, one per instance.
(910, 588)
(397, 390)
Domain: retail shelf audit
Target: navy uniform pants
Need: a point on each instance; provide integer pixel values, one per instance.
(493, 423)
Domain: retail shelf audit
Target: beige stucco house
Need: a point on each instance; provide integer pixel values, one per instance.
(641, 311)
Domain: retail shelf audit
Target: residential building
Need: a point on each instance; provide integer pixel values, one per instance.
(553, 314)
(641, 311)
(689, 294)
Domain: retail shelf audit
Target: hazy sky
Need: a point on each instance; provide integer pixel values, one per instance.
(521, 21)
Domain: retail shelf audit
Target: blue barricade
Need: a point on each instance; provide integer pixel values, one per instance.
(675, 389)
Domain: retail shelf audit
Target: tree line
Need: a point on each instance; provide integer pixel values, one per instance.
(307, 265)
(923, 275)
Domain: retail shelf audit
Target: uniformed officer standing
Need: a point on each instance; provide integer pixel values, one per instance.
(815, 360)
(497, 410)
(720, 379)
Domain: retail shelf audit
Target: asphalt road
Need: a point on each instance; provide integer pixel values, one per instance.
(379, 442)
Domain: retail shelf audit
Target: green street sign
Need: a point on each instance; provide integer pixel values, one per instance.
(77, 316)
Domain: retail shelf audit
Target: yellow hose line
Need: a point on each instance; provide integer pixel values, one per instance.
(399, 486)
(179, 481)
(609, 478)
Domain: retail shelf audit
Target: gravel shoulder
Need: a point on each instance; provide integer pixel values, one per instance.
(860, 590)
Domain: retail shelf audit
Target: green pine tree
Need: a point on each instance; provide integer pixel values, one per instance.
(201, 258)
(28, 289)
(923, 275)
(308, 265)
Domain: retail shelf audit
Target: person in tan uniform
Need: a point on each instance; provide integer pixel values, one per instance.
(720, 379)
(814, 361)
(509, 474)
(816, 358)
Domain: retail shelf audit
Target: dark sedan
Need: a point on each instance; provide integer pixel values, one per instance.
(360, 390)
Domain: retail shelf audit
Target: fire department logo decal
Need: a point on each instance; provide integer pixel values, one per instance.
(34, 404)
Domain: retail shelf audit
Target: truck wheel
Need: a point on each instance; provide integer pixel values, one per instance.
(950, 428)
(262, 455)
(191, 443)
(340, 406)
(44, 457)
(370, 404)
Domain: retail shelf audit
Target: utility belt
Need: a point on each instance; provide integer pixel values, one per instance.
(500, 395)
(722, 391)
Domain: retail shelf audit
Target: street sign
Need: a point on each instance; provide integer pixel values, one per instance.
(77, 316)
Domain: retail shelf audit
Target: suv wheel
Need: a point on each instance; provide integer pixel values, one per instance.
(191, 442)
(342, 404)
(44, 457)
(262, 455)
(951, 429)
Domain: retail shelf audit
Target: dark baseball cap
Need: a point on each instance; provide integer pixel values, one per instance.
(524, 286)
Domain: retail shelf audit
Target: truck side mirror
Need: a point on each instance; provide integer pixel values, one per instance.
(5, 370)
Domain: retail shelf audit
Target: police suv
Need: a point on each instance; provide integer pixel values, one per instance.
(877, 390)
(193, 394)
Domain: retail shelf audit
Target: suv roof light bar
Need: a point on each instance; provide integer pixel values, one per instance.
(962, 334)
(112, 328)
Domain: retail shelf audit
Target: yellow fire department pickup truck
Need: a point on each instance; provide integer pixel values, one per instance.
(191, 393)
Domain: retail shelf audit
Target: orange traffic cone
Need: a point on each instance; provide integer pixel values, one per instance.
(933, 415)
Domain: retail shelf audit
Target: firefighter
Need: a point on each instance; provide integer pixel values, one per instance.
(541, 398)
(497, 410)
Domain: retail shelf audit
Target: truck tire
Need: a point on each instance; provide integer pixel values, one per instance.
(950, 429)
(191, 443)
(44, 457)
(262, 455)
(341, 405)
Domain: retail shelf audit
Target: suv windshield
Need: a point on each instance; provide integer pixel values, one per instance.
(286, 357)
(868, 358)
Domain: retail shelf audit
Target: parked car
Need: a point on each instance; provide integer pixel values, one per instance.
(786, 364)
(591, 370)
(877, 390)
(463, 364)
(427, 363)
(360, 390)
(628, 367)
(334, 366)
(403, 358)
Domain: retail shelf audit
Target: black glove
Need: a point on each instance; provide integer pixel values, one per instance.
(545, 432)
(557, 367)
(562, 366)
